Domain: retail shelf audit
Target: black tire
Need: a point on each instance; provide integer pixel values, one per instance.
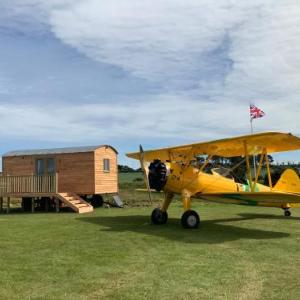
(159, 217)
(287, 213)
(97, 201)
(190, 219)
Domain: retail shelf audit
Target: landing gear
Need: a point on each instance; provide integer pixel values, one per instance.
(190, 219)
(287, 212)
(159, 217)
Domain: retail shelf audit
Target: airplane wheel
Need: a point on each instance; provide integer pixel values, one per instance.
(159, 217)
(190, 219)
(287, 213)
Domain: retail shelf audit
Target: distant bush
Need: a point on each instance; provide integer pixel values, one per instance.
(138, 179)
(126, 169)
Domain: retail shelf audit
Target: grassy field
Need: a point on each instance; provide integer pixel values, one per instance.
(130, 178)
(237, 253)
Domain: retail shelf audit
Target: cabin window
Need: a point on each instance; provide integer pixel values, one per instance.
(106, 165)
(40, 167)
(51, 166)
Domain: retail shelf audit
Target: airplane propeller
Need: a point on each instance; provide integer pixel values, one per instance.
(143, 167)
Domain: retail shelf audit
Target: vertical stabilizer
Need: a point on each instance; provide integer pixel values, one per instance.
(288, 182)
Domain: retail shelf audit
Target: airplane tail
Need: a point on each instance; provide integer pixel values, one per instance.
(288, 182)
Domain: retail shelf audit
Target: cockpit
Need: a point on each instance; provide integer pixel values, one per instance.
(225, 172)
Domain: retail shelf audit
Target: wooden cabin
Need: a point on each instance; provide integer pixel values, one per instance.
(71, 175)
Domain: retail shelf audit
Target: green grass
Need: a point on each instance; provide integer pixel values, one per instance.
(239, 252)
(125, 178)
(131, 181)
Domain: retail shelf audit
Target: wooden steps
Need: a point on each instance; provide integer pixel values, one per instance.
(73, 201)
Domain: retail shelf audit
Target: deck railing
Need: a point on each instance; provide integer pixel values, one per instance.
(31, 184)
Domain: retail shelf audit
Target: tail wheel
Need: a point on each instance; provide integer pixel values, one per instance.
(190, 219)
(159, 217)
(287, 213)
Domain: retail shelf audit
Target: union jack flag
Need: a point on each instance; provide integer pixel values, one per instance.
(255, 112)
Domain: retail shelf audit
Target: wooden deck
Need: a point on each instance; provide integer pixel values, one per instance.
(34, 186)
(22, 186)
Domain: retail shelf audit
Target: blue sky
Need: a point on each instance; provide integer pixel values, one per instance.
(153, 72)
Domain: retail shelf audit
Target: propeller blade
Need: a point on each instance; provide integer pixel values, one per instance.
(145, 173)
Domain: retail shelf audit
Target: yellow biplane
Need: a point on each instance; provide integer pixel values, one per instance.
(173, 171)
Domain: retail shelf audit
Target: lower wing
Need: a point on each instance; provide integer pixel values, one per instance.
(276, 199)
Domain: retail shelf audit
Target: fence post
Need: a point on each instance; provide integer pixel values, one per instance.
(56, 183)
(46, 204)
(22, 205)
(57, 205)
(8, 205)
(1, 204)
(32, 204)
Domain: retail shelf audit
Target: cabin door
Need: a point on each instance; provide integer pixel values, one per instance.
(45, 166)
(51, 167)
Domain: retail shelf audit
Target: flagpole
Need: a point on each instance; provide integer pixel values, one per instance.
(255, 113)
(254, 162)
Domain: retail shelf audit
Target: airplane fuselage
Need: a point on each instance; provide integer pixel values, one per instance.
(217, 188)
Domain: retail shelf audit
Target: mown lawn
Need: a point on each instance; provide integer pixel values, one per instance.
(238, 253)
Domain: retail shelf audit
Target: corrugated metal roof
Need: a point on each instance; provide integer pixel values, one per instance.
(56, 151)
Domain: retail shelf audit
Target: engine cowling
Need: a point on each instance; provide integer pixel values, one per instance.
(158, 174)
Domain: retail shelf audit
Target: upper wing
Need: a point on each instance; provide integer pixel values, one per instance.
(271, 141)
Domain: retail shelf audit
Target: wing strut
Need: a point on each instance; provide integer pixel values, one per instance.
(262, 156)
(248, 166)
(268, 169)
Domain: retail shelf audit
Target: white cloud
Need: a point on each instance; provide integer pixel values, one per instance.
(156, 40)
(170, 40)
(164, 118)
(174, 42)
(177, 44)
(265, 51)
